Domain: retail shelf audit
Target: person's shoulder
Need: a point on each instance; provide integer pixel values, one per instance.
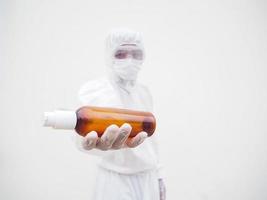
(92, 90)
(92, 86)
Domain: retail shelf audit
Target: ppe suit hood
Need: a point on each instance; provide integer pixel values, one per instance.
(123, 72)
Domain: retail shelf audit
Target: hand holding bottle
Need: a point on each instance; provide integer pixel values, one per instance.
(104, 128)
(114, 137)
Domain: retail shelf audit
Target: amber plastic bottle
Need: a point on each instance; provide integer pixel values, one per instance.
(89, 118)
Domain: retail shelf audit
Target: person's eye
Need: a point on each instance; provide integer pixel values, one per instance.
(120, 55)
(138, 55)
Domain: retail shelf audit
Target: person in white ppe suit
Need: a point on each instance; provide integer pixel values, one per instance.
(129, 168)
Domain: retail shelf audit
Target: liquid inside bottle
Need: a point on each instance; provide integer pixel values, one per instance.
(89, 118)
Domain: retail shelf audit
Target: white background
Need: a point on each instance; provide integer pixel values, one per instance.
(205, 66)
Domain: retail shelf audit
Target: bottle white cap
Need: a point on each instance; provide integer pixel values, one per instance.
(60, 119)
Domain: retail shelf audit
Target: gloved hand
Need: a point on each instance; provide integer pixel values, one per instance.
(162, 190)
(114, 137)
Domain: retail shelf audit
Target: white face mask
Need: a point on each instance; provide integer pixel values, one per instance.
(127, 69)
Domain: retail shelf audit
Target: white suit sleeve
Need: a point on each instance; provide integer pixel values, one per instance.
(91, 94)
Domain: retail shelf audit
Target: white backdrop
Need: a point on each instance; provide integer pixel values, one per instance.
(206, 68)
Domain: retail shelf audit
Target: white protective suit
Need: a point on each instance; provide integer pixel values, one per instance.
(128, 173)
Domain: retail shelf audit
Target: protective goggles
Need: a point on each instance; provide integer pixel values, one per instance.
(124, 52)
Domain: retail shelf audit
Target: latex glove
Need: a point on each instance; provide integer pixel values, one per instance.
(114, 137)
(162, 190)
